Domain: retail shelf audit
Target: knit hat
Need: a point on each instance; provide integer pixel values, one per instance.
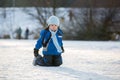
(53, 20)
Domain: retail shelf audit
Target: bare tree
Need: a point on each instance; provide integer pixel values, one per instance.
(92, 24)
(107, 20)
(40, 15)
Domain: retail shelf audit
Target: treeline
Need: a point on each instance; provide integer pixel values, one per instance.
(76, 23)
(83, 23)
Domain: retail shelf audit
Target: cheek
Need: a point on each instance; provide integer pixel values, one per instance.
(55, 27)
(51, 27)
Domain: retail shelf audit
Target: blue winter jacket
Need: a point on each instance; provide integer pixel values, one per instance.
(50, 48)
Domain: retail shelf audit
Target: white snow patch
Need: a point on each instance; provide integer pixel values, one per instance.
(82, 60)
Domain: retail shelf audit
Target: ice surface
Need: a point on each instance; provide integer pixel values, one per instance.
(83, 60)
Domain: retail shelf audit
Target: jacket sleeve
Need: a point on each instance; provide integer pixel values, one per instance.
(39, 41)
(61, 34)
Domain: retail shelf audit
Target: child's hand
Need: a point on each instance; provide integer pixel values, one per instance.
(62, 49)
(36, 52)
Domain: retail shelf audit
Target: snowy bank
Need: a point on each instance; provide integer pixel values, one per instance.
(83, 60)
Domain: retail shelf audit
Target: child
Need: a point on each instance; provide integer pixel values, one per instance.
(51, 41)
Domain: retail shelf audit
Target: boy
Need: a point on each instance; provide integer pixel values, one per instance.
(51, 41)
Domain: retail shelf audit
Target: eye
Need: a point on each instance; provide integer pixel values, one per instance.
(53, 25)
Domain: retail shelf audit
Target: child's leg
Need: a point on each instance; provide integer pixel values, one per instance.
(48, 60)
(39, 60)
(57, 60)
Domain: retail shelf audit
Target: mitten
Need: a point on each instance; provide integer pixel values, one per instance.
(36, 52)
(62, 49)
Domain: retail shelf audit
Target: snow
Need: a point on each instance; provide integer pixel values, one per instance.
(82, 60)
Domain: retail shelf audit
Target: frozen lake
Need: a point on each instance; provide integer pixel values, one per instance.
(82, 60)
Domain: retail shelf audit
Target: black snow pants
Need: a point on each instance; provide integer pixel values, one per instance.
(49, 60)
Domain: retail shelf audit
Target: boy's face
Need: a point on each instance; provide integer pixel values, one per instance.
(53, 27)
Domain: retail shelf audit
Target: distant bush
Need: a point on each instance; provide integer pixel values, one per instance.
(6, 36)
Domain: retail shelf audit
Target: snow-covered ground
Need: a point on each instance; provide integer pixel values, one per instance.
(83, 60)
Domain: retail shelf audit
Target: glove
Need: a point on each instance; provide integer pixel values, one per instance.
(36, 52)
(62, 49)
